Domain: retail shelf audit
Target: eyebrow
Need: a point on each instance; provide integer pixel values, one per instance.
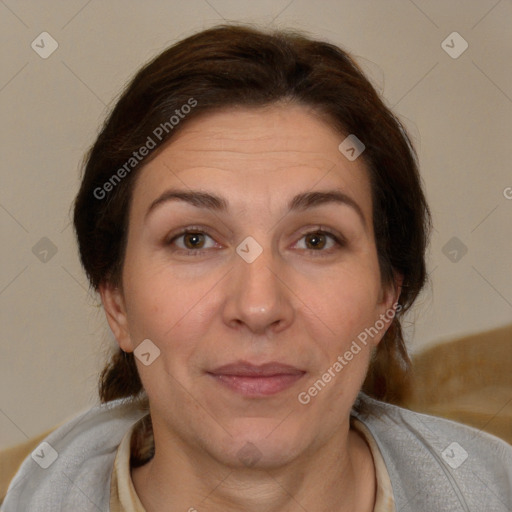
(300, 202)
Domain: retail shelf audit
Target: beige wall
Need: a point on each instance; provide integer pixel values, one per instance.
(459, 112)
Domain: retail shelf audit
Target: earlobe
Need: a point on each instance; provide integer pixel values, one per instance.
(115, 311)
(399, 279)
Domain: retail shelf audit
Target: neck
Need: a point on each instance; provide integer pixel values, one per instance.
(339, 476)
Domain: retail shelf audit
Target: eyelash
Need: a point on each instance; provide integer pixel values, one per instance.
(339, 241)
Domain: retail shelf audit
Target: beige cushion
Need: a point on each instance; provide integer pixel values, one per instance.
(468, 380)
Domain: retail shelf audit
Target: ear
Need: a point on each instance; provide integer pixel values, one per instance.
(390, 293)
(115, 311)
(385, 308)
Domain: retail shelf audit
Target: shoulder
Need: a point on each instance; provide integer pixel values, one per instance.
(438, 464)
(12, 457)
(72, 465)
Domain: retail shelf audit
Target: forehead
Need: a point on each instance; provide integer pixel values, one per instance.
(287, 133)
(265, 153)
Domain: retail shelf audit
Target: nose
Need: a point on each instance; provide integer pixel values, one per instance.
(258, 297)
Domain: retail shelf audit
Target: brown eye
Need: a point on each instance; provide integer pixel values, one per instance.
(320, 242)
(315, 240)
(193, 240)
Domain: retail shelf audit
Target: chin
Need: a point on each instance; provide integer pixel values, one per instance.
(262, 445)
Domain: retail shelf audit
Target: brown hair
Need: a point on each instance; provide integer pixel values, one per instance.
(232, 65)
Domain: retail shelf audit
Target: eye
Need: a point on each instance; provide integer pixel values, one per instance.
(192, 241)
(320, 240)
(195, 242)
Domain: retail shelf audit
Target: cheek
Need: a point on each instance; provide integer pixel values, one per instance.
(156, 300)
(349, 303)
(171, 309)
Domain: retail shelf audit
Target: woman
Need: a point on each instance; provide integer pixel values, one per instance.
(253, 219)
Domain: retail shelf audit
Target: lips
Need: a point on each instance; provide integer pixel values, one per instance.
(257, 380)
(244, 369)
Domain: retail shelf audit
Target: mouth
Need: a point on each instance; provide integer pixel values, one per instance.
(257, 380)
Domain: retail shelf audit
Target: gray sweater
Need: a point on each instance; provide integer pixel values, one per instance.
(435, 465)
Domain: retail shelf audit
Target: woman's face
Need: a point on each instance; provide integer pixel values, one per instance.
(266, 297)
